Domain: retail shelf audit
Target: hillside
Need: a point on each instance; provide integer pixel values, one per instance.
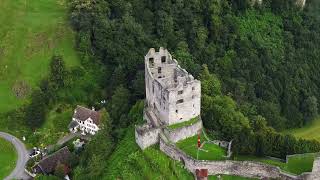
(31, 32)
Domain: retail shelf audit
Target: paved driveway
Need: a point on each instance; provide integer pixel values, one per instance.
(18, 172)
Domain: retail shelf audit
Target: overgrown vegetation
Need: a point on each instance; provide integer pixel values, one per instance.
(185, 123)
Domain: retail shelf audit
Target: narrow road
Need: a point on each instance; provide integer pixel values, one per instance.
(23, 156)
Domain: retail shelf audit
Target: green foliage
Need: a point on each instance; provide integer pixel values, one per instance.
(8, 157)
(185, 123)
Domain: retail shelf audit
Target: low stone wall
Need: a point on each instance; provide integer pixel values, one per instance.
(146, 135)
(239, 168)
(175, 135)
(223, 144)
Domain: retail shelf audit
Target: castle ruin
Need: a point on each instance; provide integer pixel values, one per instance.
(172, 96)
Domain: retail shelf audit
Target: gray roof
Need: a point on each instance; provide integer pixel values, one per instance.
(82, 114)
(73, 124)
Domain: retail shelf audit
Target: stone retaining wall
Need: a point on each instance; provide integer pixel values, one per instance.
(146, 136)
(239, 168)
(175, 135)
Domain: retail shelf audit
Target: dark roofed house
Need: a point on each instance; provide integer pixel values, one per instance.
(48, 164)
(87, 120)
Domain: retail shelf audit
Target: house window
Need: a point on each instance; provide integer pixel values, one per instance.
(180, 101)
(193, 88)
(159, 69)
(163, 59)
(151, 61)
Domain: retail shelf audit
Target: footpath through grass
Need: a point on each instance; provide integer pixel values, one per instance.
(207, 152)
(296, 164)
(310, 131)
(8, 158)
(31, 32)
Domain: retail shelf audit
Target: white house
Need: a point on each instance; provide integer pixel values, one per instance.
(85, 120)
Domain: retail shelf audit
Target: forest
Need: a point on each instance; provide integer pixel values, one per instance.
(258, 66)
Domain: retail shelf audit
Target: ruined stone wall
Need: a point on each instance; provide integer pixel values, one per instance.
(178, 134)
(171, 92)
(239, 168)
(146, 136)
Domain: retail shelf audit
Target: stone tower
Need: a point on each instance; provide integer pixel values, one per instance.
(172, 96)
(171, 92)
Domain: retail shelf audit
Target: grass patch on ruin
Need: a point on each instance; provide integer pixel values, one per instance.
(207, 152)
(185, 123)
(128, 161)
(310, 131)
(296, 164)
(8, 158)
(31, 32)
(229, 177)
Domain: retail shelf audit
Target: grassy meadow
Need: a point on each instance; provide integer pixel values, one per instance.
(8, 157)
(30, 33)
(207, 152)
(310, 131)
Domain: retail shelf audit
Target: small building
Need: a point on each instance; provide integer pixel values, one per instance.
(48, 164)
(85, 120)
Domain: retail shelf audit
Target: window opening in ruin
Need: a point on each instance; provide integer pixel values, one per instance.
(192, 96)
(176, 110)
(192, 105)
(163, 59)
(159, 69)
(152, 88)
(159, 77)
(151, 61)
(193, 88)
(180, 92)
(180, 101)
(180, 118)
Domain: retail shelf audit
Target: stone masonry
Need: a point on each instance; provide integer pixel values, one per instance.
(172, 96)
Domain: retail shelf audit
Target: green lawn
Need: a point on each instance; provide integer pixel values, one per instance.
(31, 32)
(310, 131)
(8, 158)
(296, 164)
(208, 152)
(185, 123)
(228, 177)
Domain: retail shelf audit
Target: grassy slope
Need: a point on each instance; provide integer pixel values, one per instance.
(211, 151)
(30, 33)
(8, 158)
(129, 162)
(310, 131)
